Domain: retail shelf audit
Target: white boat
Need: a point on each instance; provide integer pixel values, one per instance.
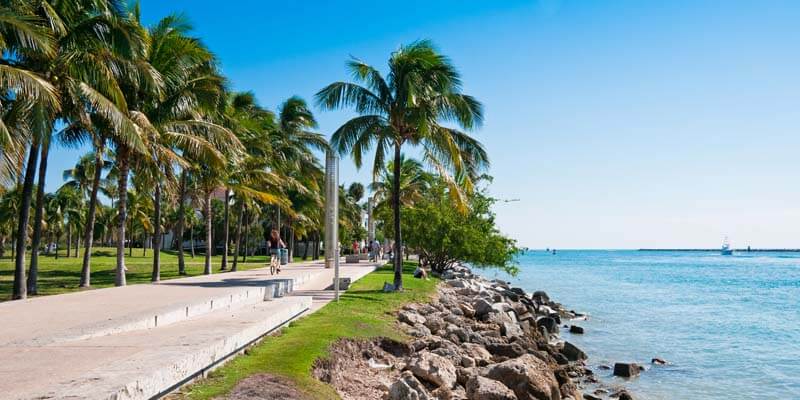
(726, 249)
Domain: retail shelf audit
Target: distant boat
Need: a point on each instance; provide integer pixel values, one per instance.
(726, 248)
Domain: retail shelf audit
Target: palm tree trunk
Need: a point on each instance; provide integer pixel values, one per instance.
(179, 225)
(156, 234)
(191, 238)
(20, 285)
(88, 230)
(209, 245)
(144, 243)
(316, 244)
(69, 237)
(398, 240)
(290, 232)
(130, 242)
(33, 271)
(246, 234)
(226, 231)
(122, 214)
(305, 248)
(238, 237)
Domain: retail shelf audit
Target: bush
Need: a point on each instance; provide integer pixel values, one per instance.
(442, 234)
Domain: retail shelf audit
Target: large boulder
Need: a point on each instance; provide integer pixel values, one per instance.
(626, 370)
(541, 297)
(435, 369)
(410, 317)
(480, 388)
(482, 308)
(435, 323)
(476, 352)
(529, 377)
(407, 388)
(572, 352)
(548, 323)
(510, 350)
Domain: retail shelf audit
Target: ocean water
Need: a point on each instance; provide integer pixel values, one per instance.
(728, 325)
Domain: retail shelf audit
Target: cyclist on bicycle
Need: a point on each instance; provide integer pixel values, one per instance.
(275, 244)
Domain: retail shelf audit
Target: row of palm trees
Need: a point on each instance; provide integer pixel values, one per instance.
(156, 111)
(152, 102)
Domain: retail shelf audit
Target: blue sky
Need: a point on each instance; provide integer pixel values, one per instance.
(619, 124)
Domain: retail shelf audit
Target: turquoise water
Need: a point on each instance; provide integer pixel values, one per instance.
(728, 325)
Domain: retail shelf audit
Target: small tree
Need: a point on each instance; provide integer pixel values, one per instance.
(444, 235)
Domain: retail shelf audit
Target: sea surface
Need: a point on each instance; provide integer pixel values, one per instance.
(728, 325)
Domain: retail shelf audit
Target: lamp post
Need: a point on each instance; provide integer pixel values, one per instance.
(332, 218)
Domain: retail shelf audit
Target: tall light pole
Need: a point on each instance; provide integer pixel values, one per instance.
(332, 217)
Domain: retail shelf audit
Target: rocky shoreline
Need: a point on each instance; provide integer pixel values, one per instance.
(477, 340)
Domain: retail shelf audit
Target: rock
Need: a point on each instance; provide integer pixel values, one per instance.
(623, 395)
(548, 323)
(388, 287)
(442, 393)
(541, 297)
(626, 370)
(410, 317)
(476, 352)
(576, 329)
(529, 377)
(407, 388)
(572, 352)
(512, 350)
(467, 309)
(482, 308)
(588, 396)
(510, 329)
(658, 361)
(419, 331)
(480, 388)
(570, 390)
(464, 374)
(560, 359)
(461, 333)
(456, 283)
(434, 369)
(434, 323)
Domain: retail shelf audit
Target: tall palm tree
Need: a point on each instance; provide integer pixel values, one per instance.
(90, 38)
(23, 35)
(420, 94)
(177, 132)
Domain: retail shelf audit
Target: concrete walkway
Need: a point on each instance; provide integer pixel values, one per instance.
(141, 341)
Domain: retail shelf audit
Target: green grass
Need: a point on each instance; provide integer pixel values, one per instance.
(363, 311)
(62, 275)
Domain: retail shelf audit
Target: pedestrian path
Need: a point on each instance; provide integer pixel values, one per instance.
(141, 341)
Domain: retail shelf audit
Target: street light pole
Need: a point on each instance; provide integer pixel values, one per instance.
(332, 218)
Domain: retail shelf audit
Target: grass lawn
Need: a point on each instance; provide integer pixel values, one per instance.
(363, 311)
(62, 275)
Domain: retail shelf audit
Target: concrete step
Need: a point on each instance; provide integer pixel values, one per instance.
(145, 364)
(266, 288)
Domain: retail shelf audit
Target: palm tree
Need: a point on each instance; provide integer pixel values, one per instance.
(421, 92)
(414, 181)
(23, 35)
(90, 38)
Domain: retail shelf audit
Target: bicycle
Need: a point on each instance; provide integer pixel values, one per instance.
(274, 263)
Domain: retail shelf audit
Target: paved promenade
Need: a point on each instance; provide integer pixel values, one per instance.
(141, 341)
